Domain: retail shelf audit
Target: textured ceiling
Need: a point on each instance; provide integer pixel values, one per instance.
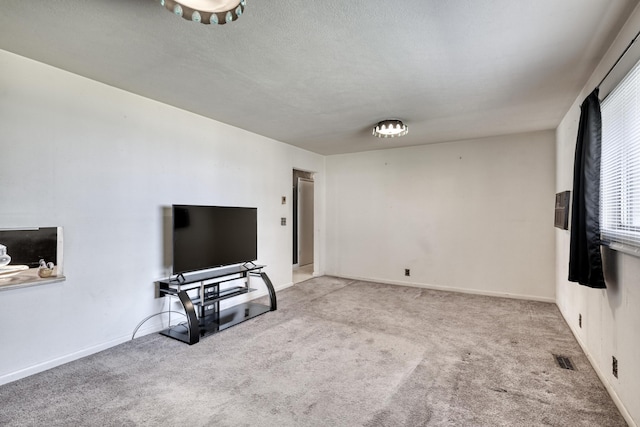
(320, 74)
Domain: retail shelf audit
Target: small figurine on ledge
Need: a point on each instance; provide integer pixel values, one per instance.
(4, 256)
(45, 269)
(7, 270)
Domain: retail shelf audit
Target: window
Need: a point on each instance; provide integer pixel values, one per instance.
(620, 167)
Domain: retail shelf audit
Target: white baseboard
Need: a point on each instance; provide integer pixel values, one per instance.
(603, 378)
(41, 367)
(452, 289)
(49, 364)
(281, 287)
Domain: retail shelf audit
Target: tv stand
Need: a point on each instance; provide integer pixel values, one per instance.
(200, 294)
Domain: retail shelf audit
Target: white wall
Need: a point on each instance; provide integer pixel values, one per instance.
(475, 216)
(102, 163)
(611, 317)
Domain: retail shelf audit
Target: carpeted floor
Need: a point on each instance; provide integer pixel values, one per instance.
(336, 353)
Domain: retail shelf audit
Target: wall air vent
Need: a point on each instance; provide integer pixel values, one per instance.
(564, 362)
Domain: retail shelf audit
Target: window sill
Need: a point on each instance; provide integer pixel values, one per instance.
(28, 278)
(626, 249)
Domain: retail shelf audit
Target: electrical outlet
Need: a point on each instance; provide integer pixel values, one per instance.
(580, 320)
(614, 367)
(283, 221)
(407, 272)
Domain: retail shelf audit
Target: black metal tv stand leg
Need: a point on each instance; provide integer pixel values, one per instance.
(272, 292)
(192, 319)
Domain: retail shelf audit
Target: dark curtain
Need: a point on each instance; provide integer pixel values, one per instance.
(585, 259)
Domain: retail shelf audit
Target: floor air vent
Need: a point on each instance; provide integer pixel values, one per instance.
(564, 362)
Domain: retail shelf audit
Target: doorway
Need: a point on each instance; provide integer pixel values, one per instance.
(303, 225)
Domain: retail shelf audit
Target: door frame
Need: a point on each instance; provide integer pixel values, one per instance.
(299, 223)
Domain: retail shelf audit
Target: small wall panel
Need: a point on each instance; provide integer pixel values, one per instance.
(562, 210)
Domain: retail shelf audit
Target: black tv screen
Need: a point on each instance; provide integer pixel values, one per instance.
(213, 236)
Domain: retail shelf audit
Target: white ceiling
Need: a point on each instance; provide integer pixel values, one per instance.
(320, 74)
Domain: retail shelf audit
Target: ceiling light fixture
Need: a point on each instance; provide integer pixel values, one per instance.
(206, 11)
(390, 129)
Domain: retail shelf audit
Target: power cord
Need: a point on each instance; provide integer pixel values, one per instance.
(153, 315)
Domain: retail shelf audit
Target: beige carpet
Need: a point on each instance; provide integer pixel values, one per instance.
(336, 353)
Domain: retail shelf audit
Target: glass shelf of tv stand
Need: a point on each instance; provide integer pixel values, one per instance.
(220, 275)
(219, 295)
(215, 321)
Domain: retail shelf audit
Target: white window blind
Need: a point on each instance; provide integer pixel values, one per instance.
(620, 167)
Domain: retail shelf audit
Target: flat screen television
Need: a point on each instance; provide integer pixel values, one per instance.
(213, 236)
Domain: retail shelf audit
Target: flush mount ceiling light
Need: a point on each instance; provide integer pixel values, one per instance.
(206, 11)
(390, 129)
